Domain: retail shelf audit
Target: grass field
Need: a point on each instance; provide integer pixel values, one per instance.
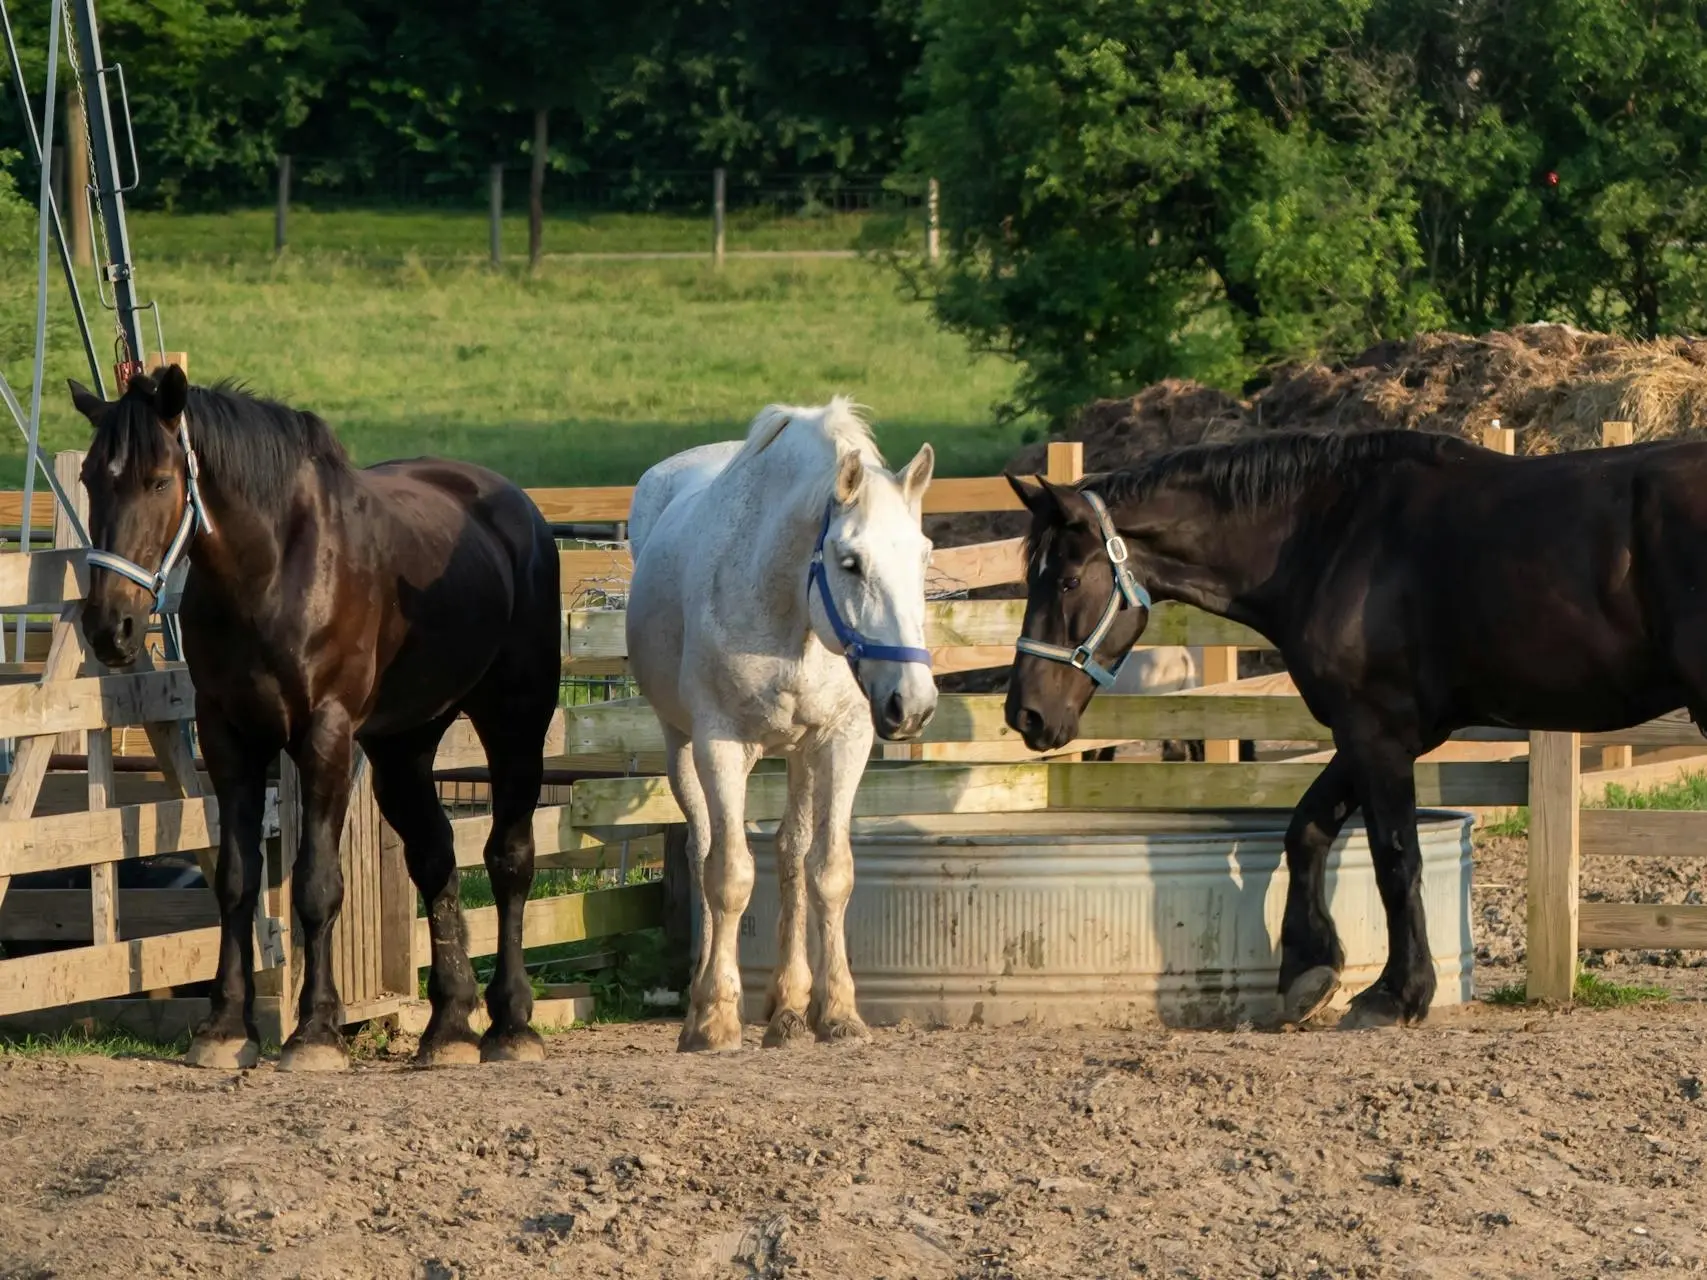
(585, 373)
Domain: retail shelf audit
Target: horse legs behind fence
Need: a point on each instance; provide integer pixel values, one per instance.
(323, 755)
(403, 787)
(1311, 957)
(516, 767)
(1384, 774)
(714, 1016)
(836, 771)
(228, 1040)
(790, 995)
(690, 798)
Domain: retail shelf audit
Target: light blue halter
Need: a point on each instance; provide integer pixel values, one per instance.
(194, 521)
(1127, 593)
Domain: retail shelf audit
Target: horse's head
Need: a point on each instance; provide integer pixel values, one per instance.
(874, 557)
(1083, 613)
(137, 479)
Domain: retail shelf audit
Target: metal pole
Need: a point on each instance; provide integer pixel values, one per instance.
(717, 201)
(66, 264)
(105, 165)
(495, 198)
(44, 219)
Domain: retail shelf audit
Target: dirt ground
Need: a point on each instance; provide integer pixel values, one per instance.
(1493, 1142)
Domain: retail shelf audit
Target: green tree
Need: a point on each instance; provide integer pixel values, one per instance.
(1139, 190)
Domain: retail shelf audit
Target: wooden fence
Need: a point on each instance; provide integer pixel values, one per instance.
(968, 761)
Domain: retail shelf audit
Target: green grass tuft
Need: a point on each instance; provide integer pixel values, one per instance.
(1592, 992)
(1686, 792)
(80, 1042)
(1514, 824)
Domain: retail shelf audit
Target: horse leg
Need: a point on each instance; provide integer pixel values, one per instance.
(830, 872)
(791, 981)
(408, 800)
(1311, 957)
(1387, 789)
(714, 1018)
(323, 756)
(515, 761)
(228, 1039)
(690, 798)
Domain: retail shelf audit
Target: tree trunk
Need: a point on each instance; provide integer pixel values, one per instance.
(536, 187)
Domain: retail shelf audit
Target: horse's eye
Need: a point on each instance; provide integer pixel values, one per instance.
(851, 564)
(1070, 584)
(159, 483)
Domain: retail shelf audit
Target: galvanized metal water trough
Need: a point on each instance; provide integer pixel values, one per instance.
(1101, 919)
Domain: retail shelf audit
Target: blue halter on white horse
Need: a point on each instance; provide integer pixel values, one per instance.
(777, 607)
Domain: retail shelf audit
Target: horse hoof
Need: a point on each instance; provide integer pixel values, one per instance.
(313, 1057)
(513, 1046)
(1309, 994)
(712, 1035)
(222, 1055)
(844, 1030)
(787, 1028)
(448, 1053)
(1372, 1010)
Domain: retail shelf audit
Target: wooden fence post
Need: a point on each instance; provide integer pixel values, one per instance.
(933, 221)
(68, 470)
(1614, 435)
(282, 210)
(495, 204)
(1499, 439)
(718, 194)
(1554, 796)
(77, 179)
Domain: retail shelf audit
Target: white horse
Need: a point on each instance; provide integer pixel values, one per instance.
(777, 605)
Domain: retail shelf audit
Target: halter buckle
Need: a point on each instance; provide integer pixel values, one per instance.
(1080, 657)
(1116, 548)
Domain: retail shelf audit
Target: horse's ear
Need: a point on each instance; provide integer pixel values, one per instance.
(1070, 505)
(850, 476)
(1037, 497)
(90, 405)
(917, 476)
(171, 394)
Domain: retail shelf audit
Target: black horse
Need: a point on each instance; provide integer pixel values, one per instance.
(326, 606)
(1415, 584)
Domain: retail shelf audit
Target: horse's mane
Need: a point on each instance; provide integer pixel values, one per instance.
(252, 446)
(1281, 466)
(837, 428)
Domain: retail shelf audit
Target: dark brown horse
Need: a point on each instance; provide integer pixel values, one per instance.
(1415, 584)
(327, 606)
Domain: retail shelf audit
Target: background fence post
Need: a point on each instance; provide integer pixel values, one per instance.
(1554, 795)
(718, 193)
(77, 179)
(933, 221)
(1499, 439)
(495, 202)
(282, 212)
(1612, 436)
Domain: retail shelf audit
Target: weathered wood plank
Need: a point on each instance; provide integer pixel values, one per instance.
(600, 634)
(96, 702)
(913, 788)
(569, 917)
(983, 564)
(1148, 785)
(1643, 833)
(63, 915)
(554, 834)
(1641, 926)
(118, 969)
(111, 835)
(460, 747)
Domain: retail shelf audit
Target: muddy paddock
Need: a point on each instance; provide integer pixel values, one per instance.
(1493, 1142)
